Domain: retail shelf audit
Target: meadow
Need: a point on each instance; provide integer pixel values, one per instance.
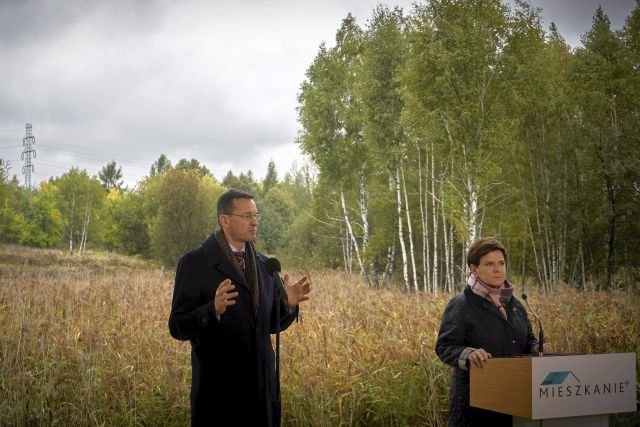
(84, 341)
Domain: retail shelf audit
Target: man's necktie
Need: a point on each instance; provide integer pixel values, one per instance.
(240, 258)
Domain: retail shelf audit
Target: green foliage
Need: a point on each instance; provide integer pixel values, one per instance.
(330, 107)
(278, 210)
(111, 176)
(128, 231)
(80, 201)
(184, 205)
(43, 224)
(498, 128)
(244, 182)
(160, 166)
(12, 203)
(193, 164)
(271, 178)
(606, 80)
(383, 59)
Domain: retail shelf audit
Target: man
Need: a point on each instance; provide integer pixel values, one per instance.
(225, 303)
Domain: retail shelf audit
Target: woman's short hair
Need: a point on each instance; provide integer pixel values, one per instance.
(481, 247)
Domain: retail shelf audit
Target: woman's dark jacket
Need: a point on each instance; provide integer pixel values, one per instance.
(233, 364)
(470, 322)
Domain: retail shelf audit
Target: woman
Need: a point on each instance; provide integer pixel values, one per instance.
(485, 320)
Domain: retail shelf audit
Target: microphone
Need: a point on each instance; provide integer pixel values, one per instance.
(274, 268)
(540, 332)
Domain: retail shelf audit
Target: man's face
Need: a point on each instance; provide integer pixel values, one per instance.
(241, 224)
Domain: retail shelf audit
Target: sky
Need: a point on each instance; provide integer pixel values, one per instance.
(215, 80)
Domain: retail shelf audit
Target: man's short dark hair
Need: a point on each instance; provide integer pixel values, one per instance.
(483, 246)
(225, 201)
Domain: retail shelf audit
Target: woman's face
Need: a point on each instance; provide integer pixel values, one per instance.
(492, 269)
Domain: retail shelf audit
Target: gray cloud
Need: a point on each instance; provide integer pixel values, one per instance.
(212, 80)
(574, 17)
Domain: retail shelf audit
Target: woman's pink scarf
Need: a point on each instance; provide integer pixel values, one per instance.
(498, 296)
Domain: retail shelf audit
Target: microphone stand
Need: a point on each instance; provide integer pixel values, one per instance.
(540, 331)
(277, 295)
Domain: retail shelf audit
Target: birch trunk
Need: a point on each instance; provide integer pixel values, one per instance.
(471, 217)
(452, 260)
(410, 232)
(405, 273)
(364, 218)
(345, 258)
(351, 235)
(423, 221)
(85, 229)
(388, 269)
(434, 217)
(71, 222)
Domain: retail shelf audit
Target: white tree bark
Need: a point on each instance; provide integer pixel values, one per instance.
(71, 223)
(452, 261)
(364, 218)
(426, 277)
(405, 273)
(434, 217)
(388, 269)
(410, 232)
(364, 211)
(85, 229)
(471, 211)
(351, 235)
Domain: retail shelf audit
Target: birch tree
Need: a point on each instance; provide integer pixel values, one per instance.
(330, 116)
(383, 59)
(80, 200)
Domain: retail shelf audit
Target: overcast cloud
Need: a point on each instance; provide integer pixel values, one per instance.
(212, 80)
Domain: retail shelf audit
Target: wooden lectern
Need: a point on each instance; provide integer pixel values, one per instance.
(560, 390)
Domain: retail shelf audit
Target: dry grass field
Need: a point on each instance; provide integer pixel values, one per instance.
(84, 341)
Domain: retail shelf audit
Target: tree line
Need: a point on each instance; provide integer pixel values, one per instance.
(463, 119)
(168, 213)
(425, 130)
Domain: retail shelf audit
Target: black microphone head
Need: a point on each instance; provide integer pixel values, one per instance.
(524, 296)
(273, 265)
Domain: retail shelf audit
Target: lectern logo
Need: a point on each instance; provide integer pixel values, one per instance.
(565, 384)
(557, 378)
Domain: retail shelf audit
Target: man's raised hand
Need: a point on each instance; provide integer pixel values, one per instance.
(297, 292)
(224, 297)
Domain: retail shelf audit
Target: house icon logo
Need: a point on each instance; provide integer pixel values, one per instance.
(557, 378)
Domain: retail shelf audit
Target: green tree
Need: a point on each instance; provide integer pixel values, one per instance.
(193, 164)
(186, 213)
(160, 166)
(80, 201)
(330, 113)
(277, 209)
(111, 176)
(383, 59)
(271, 179)
(128, 227)
(43, 222)
(606, 79)
(13, 204)
(244, 182)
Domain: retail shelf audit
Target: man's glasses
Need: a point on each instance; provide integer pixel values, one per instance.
(247, 216)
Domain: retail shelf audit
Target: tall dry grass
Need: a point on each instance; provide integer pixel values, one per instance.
(84, 341)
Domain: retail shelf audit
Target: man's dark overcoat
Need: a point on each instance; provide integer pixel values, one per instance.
(232, 360)
(471, 321)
